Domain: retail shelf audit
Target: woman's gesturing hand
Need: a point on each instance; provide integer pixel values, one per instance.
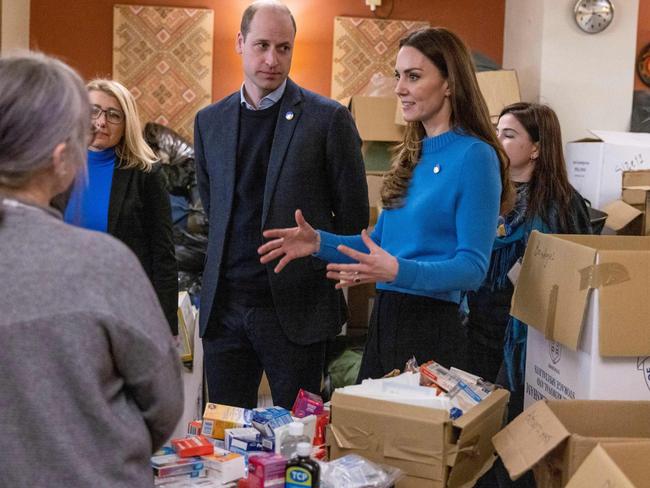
(376, 266)
(289, 243)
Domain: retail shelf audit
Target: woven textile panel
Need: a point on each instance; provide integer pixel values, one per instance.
(164, 56)
(364, 48)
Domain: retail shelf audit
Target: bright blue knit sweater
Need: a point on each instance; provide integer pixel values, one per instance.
(442, 236)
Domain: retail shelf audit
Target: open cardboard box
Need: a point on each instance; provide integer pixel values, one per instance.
(555, 437)
(617, 464)
(374, 117)
(630, 215)
(595, 165)
(586, 300)
(431, 449)
(499, 88)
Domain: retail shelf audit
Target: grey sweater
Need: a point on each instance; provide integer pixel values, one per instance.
(89, 378)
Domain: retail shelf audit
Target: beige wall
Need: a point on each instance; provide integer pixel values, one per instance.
(588, 79)
(14, 25)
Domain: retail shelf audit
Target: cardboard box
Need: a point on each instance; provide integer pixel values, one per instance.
(596, 165)
(499, 88)
(555, 437)
(374, 117)
(622, 219)
(586, 301)
(619, 464)
(431, 449)
(630, 215)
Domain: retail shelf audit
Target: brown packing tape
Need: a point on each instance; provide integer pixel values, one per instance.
(402, 449)
(604, 274)
(549, 330)
(353, 438)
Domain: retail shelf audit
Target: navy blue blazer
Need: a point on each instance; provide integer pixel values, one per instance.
(316, 166)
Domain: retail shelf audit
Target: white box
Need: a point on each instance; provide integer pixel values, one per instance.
(595, 166)
(555, 372)
(586, 300)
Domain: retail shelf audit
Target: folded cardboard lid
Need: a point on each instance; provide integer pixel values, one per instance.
(546, 424)
(636, 195)
(623, 465)
(639, 177)
(557, 275)
(620, 214)
(529, 438)
(474, 447)
(550, 294)
(499, 88)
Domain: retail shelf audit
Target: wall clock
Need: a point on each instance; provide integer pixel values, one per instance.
(593, 16)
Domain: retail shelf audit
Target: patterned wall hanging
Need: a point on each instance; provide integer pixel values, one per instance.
(164, 56)
(364, 48)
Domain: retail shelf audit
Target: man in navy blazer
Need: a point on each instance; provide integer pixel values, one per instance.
(261, 153)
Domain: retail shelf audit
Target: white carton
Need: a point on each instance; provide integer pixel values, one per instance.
(555, 372)
(586, 300)
(595, 166)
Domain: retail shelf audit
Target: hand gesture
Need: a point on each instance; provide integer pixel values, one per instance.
(377, 265)
(289, 243)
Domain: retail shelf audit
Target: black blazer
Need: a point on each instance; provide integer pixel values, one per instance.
(139, 214)
(316, 166)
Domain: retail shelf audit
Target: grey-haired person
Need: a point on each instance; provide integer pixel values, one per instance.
(90, 382)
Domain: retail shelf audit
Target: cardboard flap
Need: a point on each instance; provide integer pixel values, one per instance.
(499, 88)
(528, 438)
(551, 293)
(474, 445)
(635, 195)
(374, 118)
(639, 177)
(624, 309)
(620, 215)
(637, 139)
(599, 470)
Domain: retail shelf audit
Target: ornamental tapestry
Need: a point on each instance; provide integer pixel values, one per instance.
(163, 56)
(363, 49)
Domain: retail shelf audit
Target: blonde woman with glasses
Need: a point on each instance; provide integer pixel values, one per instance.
(124, 192)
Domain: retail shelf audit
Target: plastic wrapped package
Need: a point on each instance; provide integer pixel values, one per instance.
(353, 471)
(190, 225)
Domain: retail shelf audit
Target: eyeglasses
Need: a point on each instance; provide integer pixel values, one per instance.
(112, 116)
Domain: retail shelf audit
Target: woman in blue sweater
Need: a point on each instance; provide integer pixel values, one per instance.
(441, 202)
(124, 191)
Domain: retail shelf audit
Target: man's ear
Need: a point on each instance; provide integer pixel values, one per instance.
(239, 45)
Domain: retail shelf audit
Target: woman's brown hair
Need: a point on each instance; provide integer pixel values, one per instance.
(469, 113)
(549, 182)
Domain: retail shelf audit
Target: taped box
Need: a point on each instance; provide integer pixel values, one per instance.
(586, 300)
(631, 214)
(619, 464)
(595, 165)
(554, 438)
(431, 449)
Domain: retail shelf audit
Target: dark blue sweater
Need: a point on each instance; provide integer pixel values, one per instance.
(243, 275)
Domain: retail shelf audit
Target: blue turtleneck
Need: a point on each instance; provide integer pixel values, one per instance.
(88, 205)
